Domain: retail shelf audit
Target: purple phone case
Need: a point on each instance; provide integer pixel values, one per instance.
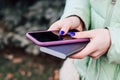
(54, 42)
(63, 51)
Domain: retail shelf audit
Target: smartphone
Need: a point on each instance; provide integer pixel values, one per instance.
(48, 38)
(63, 51)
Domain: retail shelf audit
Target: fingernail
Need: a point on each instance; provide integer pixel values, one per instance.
(61, 32)
(71, 33)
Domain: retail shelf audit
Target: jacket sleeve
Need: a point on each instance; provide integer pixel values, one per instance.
(113, 54)
(80, 8)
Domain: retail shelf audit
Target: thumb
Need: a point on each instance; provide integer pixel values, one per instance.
(83, 34)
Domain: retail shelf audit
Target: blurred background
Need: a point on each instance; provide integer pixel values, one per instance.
(20, 59)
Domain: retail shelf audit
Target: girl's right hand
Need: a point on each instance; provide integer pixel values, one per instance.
(67, 24)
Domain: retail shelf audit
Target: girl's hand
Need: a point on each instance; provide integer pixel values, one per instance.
(98, 45)
(67, 24)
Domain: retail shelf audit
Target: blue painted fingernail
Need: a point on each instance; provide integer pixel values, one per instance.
(71, 33)
(61, 32)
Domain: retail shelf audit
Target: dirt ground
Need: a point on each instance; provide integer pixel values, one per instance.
(16, 64)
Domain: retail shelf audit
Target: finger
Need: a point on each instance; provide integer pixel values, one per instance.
(80, 28)
(89, 49)
(65, 28)
(83, 34)
(55, 26)
(96, 55)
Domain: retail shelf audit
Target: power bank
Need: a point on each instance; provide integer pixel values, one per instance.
(63, 51)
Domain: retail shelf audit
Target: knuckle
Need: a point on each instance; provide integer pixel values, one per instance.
(82, 56)
(94, 56)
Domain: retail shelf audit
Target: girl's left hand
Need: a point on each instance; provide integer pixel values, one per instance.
(98, 45)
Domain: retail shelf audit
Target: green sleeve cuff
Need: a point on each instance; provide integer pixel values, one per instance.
(113, 54)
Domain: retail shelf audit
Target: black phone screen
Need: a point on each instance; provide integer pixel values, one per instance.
(49, 36)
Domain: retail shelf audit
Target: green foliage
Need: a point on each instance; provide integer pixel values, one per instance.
(19, 16)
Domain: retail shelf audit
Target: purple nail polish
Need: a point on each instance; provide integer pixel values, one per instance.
(61, 32)
(71, 33)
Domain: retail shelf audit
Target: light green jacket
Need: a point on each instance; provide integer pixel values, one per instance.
(99, 14)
